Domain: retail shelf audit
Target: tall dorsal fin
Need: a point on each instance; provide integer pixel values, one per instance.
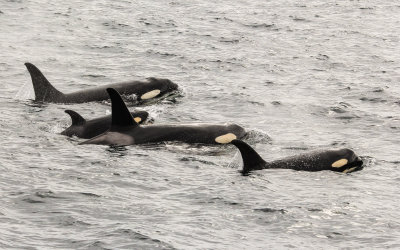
(121, 117)
(251, 159)
(44, 91)
(76, 118)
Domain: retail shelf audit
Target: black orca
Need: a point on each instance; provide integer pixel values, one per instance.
(90, 128)
(341, 160)
(125, 131)
(45, 92)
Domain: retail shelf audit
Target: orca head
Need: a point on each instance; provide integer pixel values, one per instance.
(346, 161)
(165, 84)
(158, 87)
(140, 116)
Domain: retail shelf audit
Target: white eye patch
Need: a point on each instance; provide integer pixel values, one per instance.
(339, 163)
(227, 138)
(150, 94)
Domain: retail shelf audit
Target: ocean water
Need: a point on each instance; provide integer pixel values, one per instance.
(298, 76)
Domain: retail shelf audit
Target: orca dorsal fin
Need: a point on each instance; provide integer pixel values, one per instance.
(121, 117)
(76, 118)
(251, 159)
(44, 91)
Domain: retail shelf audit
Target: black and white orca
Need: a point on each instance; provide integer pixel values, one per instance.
(340, 160)
(126, 131)
(87, 129)
(45, 92)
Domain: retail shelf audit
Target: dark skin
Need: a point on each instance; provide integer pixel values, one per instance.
(125, 131)
(45, 92)
(90, 128)
(341, 160)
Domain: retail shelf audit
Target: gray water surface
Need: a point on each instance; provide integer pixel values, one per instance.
(298, 76)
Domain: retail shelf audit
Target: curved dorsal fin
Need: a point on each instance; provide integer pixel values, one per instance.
(76, 118)
(44, 91)
(251, 159)
(121, 117)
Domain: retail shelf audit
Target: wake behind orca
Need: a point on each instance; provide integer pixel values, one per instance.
(45, 92)
(87, 129)
(341, 160)
(126, 131)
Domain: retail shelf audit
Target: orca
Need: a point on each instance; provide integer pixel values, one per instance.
(340, 160)
(45, 92)
(125, 131)
(90, 128)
